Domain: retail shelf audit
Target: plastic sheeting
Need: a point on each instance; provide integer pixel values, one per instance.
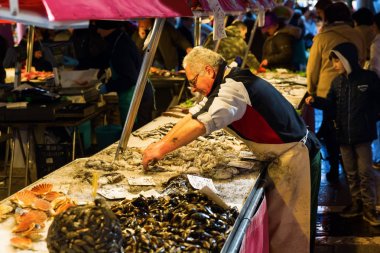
(58, 10)
(256, 238)
(114, 9)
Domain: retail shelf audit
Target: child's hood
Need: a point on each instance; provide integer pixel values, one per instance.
(348, 55)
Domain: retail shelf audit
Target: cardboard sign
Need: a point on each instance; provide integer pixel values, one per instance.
(200, 182)
(141, 181)
(219, 29)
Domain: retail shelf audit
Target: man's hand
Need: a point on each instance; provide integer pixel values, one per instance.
(152, 154)
(309, 100)
(264, 63)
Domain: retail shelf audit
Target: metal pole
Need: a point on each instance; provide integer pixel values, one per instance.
(29, 48)
(197, 31)
(140, 85)
(253, 30)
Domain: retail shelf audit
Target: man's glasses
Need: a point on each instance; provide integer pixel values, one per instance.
(193, 81)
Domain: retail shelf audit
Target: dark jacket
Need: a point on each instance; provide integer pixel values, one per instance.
(125, 61)
(166, 55)
(279, 48)
(352, 98)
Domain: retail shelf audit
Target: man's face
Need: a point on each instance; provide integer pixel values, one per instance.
(201, 82)
(338, 66)
(145, 24)
(103, 32)
(320, 13)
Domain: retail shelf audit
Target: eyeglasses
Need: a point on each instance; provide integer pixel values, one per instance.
(193, 81)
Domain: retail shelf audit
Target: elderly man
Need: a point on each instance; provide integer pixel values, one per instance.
(254, 111)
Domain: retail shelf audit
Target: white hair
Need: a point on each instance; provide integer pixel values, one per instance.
(200, 57)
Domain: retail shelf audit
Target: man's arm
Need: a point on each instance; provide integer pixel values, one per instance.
(184, 132)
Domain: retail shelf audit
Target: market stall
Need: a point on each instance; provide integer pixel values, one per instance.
(125, 178)
(238, 186)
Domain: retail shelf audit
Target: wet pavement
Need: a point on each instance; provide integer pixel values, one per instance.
(334, 233)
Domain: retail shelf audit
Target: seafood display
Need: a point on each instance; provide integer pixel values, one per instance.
(291, 85)
(187, 222)
(157, 133)
(180, 220)
(30, 210)
(88, 228)
(208, 156)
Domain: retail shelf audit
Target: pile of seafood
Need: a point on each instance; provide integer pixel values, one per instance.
(31, 209)
(157, 133)
(174, 223)
(88, 228)
(207, 156)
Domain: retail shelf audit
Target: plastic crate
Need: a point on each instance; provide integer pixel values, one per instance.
(50, 157)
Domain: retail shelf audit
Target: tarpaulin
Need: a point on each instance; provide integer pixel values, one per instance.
(227, 5)
(114, 9)
(80, 10)
(256, 238)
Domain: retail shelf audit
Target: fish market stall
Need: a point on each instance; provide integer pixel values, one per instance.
(220, 157)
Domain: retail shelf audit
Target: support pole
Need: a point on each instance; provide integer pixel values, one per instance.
(253, 30)
(140, 85)
(197, 31)
(29, 48)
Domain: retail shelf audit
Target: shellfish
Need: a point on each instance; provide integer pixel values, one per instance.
(24, 198)
(21, 242)
(42, 188)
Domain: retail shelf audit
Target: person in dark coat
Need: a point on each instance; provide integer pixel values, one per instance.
(166, 56)
(352, 98)
(3, 50)
(278, 48)
(125, 63)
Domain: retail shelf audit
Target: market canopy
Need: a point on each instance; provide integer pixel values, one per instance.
(77, 13)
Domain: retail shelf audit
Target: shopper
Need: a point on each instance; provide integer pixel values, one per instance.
(374, 65)
(320, 72)
(320, 8)
(233, 45)
(166, 56)
(125, 63)
(258, 114)
(279, 49)
(3, 51)
(353, 96)
(363, 21)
